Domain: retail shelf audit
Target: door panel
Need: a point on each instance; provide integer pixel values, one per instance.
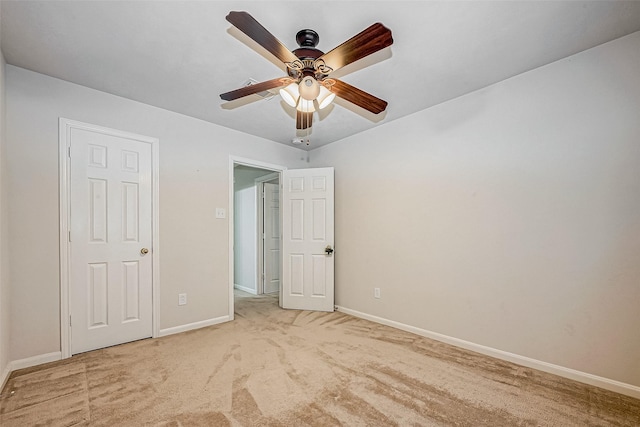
(98, 302)
(308, 271)
(110, 222)
(131, 291)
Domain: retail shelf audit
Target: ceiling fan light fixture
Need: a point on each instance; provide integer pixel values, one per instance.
(309, 88)
(305, 106)
(290, 94)
(325, 97)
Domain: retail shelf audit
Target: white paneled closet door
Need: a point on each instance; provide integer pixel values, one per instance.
(110, 240)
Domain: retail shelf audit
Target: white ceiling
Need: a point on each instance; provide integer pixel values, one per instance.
(181, 55)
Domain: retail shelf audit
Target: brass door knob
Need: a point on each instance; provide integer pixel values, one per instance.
(144, 251)
(328, 250)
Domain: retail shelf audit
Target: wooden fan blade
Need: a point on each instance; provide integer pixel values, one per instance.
(303, 120)
(369, 41)
(358, 97)
(251, 89)
(252, 28)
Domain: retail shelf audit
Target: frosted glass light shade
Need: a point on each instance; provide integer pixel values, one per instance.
(305, 106)
(290, 94)
(325, 97)
(309, 88)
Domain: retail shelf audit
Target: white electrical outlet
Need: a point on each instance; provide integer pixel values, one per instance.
(376, 292)
(221, 213)
(182, 299)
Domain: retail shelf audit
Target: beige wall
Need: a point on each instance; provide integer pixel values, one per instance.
(508, 218)
(194, 175)
(4, 253)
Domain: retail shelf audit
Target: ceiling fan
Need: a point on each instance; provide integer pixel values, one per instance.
(308, 85)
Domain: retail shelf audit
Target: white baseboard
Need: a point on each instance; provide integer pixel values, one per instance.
(192, 326)
(52, 357)
(57, 355)
(14, 365)
(4, 376)
(583, 377)
(35, 360)
(244, 289)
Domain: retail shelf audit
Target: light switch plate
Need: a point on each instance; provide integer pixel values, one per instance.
(221, 213)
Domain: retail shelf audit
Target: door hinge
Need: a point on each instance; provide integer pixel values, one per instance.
(69, 320)
(69, 235)
(69, 152)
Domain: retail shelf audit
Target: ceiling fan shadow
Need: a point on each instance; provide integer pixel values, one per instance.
(367, 61)
(291, 111)
(252, 44)
(240, 102)
(375, 118)
(304, 133)
(324, 113)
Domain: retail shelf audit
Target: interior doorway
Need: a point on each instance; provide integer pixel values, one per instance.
(306, 223)
(255, 221)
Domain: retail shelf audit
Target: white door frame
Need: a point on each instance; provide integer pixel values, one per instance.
(234, 160)
(260, 218)
(64, 142)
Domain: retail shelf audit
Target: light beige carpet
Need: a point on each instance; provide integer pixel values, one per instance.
(274, 367)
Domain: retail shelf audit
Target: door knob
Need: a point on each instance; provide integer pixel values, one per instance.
(328, 250)
(144, 251)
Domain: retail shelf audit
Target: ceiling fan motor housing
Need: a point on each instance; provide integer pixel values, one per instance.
(307, 53)
(307, 38)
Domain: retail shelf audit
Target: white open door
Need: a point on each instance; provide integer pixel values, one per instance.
(307, 239)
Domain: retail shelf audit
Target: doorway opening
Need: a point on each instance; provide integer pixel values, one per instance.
(255, 223)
